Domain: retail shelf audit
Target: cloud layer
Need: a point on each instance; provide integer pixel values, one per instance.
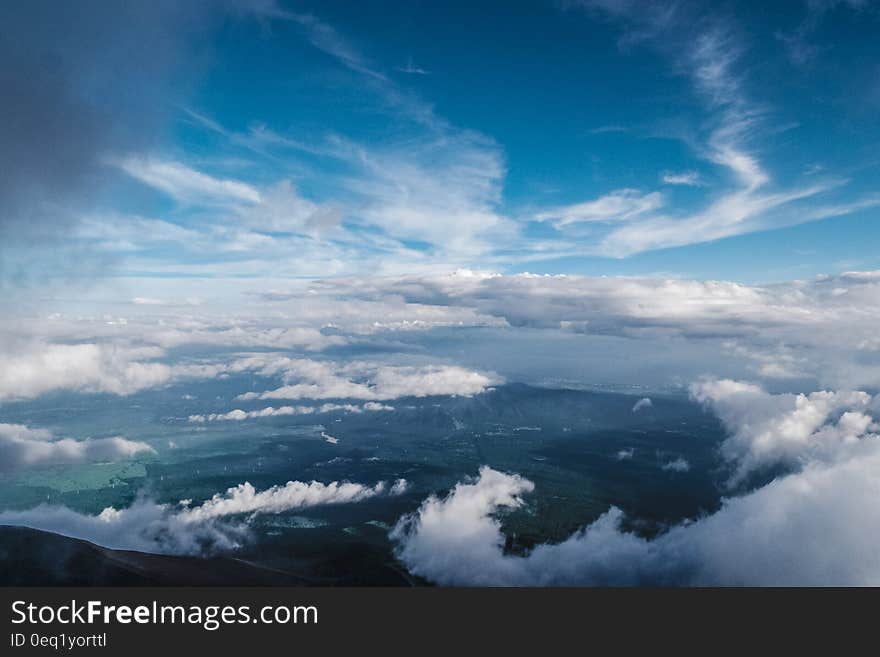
(270, 411)
(216, 524)
(22, 447)
(820, 330)
(42, 368)
(310, 379)
(818, 525)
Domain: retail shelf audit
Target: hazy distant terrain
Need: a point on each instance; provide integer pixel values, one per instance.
(570, 443)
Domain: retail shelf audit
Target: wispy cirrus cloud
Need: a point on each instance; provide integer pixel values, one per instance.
(708, 50)
(188, 185)
(819, 329)
(67, 114)
(619, 205)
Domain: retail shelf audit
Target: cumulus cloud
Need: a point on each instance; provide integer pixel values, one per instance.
(619, 305)
(822, 329)
(431, 197)
(270, 411)
(39, 368)
(244, 498)
(22, 446)
(783, 429)
(283, 209)
(643, 403)
(309, 379)
(620, 205)
(109, 356)
(31, 367)
(677, 465)
(144, 526)
(443, 189)
(216, 524)
(625, 454)
(188, 185)
(688, 178)
(706, 46)
(67, 113)
(117, 368)
(817, 527)
(277, 208)
(774, 362)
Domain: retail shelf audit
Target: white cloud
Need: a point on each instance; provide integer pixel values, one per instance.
(433, 540)
(783, 429)
(150, 301)
(213, 525)
(687, 178)
(244, 498)
(242, 334)
(677, 465)
(779, 362)
(372, 406)
(643, 403)
(822, 328)
(186, 184)
(441, 187)
(38, 368)
(22, 447)
(442, 190)
(309, 379)
(117, 233)
(393, 382)
(738, 212)
(622, 305)
(102, 357)
(270, 411)
(245, 211)
(620, 205)
(817, 527)
(282, 209)
(594, 304)
(432, 196)
(144, 526)
(439, 184)
(707, 48)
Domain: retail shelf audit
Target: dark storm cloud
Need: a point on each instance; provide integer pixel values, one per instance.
(82, 81)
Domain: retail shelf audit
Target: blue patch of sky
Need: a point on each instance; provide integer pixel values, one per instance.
(574, 111)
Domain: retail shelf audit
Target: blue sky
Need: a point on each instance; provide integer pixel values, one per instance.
(597, 138)
(259, 174)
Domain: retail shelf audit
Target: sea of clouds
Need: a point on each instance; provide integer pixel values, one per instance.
(816, 525)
